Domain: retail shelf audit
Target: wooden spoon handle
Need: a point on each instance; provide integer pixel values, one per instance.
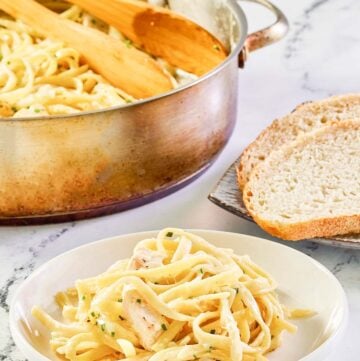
(127, 68)
(161, 32)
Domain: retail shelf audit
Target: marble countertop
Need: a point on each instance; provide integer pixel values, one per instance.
(320, 57)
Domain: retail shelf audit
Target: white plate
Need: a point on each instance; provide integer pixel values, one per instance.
(303, 283)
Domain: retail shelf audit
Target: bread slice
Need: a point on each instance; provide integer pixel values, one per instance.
(311, 187)
(305, 118)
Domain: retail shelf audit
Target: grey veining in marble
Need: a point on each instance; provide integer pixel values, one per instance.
(323, 46)
(320, 57)
(23, 255)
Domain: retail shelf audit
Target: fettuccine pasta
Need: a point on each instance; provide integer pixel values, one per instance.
(177, 298)
(40, 76)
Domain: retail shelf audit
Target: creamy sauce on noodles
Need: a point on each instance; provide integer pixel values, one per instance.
(177, 298)
(40, 76)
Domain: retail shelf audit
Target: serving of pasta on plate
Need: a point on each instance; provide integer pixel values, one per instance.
(177, 298)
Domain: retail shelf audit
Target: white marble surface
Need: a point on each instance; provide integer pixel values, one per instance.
(320, 57)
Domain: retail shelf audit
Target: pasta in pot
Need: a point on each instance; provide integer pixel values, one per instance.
(178, 297)
(40, 76)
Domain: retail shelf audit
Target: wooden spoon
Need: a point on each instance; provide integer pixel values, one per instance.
(161, 32)
(127, 68)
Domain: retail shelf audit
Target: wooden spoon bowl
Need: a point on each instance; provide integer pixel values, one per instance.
(161, 32)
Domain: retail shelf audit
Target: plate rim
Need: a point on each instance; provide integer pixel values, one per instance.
(31, 351)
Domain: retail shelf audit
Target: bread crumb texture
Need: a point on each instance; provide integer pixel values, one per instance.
(305, 118)
(310, 187)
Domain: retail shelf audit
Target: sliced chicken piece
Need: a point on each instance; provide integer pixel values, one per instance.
(147, 323)
(34, 110)
(145, 258)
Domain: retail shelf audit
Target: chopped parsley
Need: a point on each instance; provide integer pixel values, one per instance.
(212, 332)
(217, 47)
(113, 334)
(128, 43)
(138, 300)
(169, 234)
(163, 326)
(83, 297)
(120, 300)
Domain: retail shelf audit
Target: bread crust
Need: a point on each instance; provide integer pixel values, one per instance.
(321, 227)
(277, 125)
(245, 156)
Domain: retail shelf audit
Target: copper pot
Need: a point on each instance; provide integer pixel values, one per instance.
(71, 167)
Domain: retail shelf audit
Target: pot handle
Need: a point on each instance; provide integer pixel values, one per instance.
(267, 36)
